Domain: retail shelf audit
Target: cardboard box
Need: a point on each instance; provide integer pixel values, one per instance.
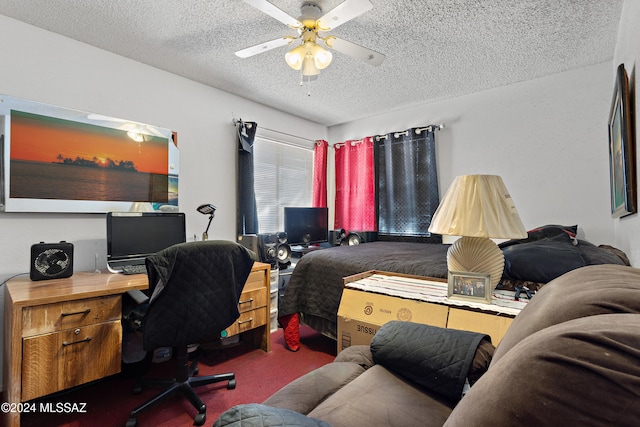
(361, 313)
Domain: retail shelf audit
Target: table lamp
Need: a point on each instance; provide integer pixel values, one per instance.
(478, 208)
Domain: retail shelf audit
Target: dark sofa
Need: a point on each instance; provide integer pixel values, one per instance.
(571, 357)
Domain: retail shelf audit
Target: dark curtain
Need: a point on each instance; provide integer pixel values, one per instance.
(407, 178)
(247, 213)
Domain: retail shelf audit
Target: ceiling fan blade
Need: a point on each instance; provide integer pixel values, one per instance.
(274, 12)
(359, 52)
(263, 47)
(342, 13)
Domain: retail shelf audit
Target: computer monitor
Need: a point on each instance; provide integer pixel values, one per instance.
(306, 226)
(133, 236)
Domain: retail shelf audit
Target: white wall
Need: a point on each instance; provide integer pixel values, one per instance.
(547, 138)
(45, 67)
(627, 230)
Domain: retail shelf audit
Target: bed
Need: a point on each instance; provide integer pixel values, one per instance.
(315, 287)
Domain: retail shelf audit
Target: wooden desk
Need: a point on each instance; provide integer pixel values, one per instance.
(66, 332)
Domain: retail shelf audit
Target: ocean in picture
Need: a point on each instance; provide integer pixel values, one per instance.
(73, 181)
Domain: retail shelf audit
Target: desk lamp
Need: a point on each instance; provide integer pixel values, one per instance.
(207, 209)
(478, 208)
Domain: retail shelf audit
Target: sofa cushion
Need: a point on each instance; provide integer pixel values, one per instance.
(380, 398)
(582, 372)
(306, 392)
(436, 358)
(256, 415)
(588, 291)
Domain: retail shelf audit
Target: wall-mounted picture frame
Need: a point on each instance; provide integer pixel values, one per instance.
(622, 158)
(56, 159)
(470, 286)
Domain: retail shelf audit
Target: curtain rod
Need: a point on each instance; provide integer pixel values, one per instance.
(236, 121)
(418, 131)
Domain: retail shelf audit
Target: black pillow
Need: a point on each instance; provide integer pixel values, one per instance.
(562, 233)
(540, 261)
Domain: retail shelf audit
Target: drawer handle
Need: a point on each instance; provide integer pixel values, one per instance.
(250, 300)
(87, 311)
(65, 343)
(245, 321)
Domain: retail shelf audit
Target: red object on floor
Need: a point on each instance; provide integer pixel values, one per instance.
(291, 325)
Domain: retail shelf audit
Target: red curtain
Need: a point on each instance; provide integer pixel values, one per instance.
(355, 191)
(320, 174)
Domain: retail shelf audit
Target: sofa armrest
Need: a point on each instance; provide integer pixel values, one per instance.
(360, 354)
(305, 393)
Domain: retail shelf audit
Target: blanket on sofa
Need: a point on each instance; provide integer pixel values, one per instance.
(436, 358)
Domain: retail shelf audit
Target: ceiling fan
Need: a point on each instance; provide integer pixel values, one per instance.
(309, 56)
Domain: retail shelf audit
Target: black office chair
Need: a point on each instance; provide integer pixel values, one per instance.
(194, 290)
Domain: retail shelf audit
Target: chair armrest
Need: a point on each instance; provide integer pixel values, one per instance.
(138, 296)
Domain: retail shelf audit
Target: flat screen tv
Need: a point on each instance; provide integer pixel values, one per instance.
(133, 236)
(306, 226)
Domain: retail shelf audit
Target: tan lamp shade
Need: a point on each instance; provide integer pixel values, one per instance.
(477, 207)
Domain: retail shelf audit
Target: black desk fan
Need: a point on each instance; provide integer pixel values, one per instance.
(207, 209)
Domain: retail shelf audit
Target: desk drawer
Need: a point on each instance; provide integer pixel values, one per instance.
(247, 321)
(250, 300)
(42, 319)
(59, 360)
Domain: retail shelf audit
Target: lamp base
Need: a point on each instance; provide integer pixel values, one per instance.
(476, 255)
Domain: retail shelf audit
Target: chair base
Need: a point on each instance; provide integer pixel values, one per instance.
(184, 383)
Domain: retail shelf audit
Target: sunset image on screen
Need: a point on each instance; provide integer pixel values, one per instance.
(53, 158)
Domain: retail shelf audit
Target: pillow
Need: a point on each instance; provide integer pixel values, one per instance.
(551, 231)
(540, 261)
(436, 358)
(546, 232)
(253, 414)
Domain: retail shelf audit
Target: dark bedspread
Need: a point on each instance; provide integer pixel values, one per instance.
(315, 287)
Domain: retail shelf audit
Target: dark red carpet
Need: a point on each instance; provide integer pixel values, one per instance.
(258, 375)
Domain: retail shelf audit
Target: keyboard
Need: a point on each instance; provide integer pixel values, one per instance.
(134, 269)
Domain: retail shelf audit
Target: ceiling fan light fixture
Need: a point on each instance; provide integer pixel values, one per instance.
(309, 66)
(295, 57)
(322, 57)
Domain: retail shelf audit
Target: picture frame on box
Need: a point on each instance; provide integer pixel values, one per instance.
(470, 286)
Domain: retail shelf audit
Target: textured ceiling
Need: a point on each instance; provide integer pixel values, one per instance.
(435, 49)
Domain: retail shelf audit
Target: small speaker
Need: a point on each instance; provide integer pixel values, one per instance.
(357, 237)
(284, 251)
(268, 249)
(338, 237)
(51, 261)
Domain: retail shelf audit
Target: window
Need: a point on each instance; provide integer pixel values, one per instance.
(283, 175)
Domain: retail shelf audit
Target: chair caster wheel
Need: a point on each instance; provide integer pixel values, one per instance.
(231, 385)
(132, 422)
(199, 419)
(137, 389)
